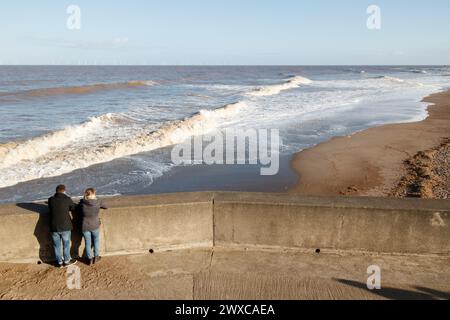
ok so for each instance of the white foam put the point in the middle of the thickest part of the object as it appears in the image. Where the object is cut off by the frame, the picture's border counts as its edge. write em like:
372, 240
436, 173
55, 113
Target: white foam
418, 71
15, 152
151, 83
271, 90
51, 157
105, 138
402, 81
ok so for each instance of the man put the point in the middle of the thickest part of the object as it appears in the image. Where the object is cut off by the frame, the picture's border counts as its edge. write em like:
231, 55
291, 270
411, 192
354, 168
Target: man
60, 206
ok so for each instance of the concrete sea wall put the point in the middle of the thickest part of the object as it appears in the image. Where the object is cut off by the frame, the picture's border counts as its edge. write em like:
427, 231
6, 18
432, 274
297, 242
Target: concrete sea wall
188, 220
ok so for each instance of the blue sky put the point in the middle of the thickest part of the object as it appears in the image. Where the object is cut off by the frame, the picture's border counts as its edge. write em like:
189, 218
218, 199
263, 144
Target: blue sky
212, 32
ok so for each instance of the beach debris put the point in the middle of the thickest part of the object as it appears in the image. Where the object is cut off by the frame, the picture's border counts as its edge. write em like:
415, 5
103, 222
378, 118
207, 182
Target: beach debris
350, 190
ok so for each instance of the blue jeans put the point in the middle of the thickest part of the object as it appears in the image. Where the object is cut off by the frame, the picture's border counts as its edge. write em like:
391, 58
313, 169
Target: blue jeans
90, 236
65, 237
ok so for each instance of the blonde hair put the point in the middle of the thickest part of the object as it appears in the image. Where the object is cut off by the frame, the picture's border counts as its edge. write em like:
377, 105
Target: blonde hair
89, 194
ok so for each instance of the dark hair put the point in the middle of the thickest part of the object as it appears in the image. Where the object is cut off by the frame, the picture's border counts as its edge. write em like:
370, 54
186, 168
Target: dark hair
61, 188
89, 193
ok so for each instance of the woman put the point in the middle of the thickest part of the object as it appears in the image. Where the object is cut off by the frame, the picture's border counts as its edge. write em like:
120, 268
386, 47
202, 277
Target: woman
90, 207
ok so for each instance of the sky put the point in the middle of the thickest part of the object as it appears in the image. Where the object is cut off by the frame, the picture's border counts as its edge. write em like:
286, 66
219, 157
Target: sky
225, 32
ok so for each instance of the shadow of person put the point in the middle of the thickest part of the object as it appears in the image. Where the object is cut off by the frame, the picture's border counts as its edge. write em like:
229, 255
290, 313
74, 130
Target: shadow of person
391, 293
76, 234
43, 234
41, 231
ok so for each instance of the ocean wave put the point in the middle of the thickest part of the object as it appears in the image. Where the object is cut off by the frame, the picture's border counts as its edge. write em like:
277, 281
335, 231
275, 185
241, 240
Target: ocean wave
418, 71
76, 90
401, 81
358, 71
270, 90
12, 153
46, 157
73, 148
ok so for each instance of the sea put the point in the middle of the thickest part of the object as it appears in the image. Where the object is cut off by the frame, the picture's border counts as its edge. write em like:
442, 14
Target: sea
113, 127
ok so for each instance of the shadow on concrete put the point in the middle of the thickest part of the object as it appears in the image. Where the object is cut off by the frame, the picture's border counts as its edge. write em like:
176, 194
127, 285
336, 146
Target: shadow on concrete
39, 208
41, 230
76, 234
43, 235
436, 293
399, 294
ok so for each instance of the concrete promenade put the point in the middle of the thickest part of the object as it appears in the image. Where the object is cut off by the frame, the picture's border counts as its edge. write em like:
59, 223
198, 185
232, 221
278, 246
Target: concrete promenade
216, 245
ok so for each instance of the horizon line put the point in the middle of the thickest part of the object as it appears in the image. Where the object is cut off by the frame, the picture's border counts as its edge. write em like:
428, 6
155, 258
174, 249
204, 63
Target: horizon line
223, 65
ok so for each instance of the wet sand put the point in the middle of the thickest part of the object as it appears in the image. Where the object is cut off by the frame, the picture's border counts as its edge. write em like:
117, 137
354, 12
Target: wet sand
403, 160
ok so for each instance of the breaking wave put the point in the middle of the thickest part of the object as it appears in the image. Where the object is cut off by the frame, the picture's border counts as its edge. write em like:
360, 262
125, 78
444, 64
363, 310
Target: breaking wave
418, 71
401, 81
106, 138
46, 156
14, 152
271, 90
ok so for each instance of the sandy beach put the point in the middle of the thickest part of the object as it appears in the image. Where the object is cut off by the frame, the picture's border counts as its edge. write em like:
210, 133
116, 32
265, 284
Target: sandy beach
400, 160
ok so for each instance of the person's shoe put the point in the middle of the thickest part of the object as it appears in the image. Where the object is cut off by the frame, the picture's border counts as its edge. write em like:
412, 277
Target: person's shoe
90, 262
59, 265
97, 259
71, 262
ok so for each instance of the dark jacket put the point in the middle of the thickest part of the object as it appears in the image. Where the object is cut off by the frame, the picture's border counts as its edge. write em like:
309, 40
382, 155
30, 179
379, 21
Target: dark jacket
90, 213
59, 207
